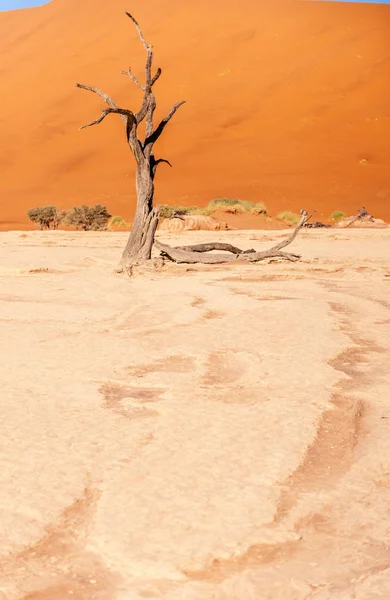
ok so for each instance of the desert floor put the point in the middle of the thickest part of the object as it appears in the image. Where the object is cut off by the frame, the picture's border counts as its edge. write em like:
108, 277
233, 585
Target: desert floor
195, 433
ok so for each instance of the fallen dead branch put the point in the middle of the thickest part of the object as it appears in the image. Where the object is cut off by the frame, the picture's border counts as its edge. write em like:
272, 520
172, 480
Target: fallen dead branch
361, 214
203, 253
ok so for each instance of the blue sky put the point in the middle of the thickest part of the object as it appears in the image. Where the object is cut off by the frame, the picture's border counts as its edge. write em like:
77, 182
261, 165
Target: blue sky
13, 4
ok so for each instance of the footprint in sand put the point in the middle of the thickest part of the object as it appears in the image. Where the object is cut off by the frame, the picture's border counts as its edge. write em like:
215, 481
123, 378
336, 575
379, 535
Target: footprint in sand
239, 369
170, 364
130, 401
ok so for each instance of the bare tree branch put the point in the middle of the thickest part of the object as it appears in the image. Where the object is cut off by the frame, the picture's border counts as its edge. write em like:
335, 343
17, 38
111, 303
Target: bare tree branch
99, 120
189, 257
192, 257
151, 139
209, 246
148, 68
107, 99
360, 215
149, 115
133, 78
139, 31
138, 83
176, 215
148, 49
151, 107
123, 112
141, 114
162, 160
157, 76
200, 253
131, 129
127, 117
154, 163
304, 219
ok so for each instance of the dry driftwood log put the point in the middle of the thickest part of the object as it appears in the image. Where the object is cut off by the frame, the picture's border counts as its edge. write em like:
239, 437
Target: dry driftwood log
202, 253
140, 242
361, 214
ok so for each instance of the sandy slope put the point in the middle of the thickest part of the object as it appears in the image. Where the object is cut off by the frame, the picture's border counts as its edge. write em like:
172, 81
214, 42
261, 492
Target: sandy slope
287, 103
200, 434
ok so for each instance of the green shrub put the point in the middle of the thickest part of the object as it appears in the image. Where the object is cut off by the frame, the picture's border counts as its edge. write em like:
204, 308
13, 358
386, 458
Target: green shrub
337, 215
228, 204
235, 206
89, 218
235, 209
59, 217
260, 209
289, 217
46, 217
117, 222
167, 212
199, 210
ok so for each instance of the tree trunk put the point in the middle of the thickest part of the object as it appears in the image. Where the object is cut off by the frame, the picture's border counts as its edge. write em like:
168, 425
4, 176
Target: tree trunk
140, 243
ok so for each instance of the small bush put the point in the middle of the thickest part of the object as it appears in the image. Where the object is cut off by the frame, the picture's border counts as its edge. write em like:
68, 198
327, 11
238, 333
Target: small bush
167, 212
198, 210
117, 222
228, 204
235, 206
337, 215
89, 218
289, 217
46, 217
260, 209
59, 218
235, 209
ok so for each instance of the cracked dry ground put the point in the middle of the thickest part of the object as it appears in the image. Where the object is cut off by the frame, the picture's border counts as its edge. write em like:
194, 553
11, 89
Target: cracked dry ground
212, 433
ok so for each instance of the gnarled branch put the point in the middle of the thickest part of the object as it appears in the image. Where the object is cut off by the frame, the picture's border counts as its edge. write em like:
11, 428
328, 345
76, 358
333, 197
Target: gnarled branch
149, 59
127, 114
156, 77
209, 246
147, 109
107, 99
139, 31
200, 253
154, 163
151, 139
97, 121
149, 115
191, 257
303, 220
133, 78
162, 160
182, 256
131, 129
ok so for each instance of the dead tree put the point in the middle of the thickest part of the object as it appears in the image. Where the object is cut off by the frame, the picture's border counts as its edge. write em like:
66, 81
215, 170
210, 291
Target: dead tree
361, 214
141, 239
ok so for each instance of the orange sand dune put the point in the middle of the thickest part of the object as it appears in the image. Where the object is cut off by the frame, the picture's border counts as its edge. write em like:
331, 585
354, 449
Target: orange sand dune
288, 103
